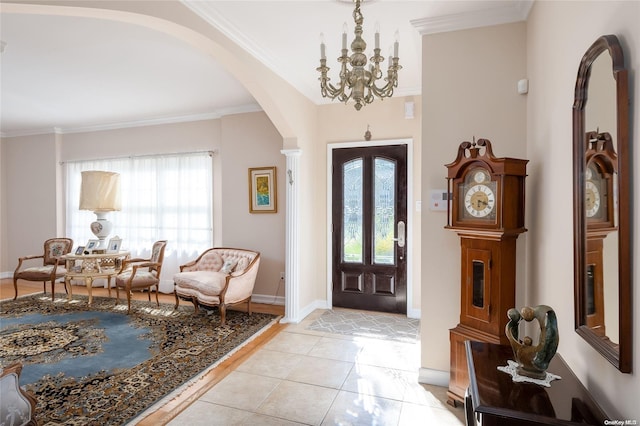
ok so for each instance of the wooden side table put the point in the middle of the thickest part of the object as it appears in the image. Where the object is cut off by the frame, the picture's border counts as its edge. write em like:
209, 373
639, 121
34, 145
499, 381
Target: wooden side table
493, 399
91, 267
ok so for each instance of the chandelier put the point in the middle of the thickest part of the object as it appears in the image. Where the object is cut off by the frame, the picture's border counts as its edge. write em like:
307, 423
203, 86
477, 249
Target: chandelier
358, 83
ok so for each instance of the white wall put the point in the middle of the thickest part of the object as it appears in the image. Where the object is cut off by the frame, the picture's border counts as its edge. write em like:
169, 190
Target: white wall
161, 139
558, 35
29, 198
250, 140
468, 89
32, 163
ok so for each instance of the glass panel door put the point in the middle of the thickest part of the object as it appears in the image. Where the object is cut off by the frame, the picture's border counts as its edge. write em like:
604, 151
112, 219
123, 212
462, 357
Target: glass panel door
385, 218
352, 200
369, 218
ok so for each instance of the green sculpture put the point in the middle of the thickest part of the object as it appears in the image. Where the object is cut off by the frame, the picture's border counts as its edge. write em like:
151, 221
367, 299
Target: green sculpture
533, 361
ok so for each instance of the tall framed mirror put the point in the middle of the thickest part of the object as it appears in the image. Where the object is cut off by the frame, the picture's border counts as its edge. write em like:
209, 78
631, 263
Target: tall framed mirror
602, 204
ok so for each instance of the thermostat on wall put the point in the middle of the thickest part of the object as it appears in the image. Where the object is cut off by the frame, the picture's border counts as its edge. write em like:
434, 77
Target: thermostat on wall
438, 200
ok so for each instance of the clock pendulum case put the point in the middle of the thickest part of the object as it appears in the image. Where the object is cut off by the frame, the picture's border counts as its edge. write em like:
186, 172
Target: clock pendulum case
601, 169
487, 213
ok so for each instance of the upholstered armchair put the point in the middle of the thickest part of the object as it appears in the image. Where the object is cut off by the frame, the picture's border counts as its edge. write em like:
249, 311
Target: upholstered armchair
52, 268
17, 406
139, 274
218, 277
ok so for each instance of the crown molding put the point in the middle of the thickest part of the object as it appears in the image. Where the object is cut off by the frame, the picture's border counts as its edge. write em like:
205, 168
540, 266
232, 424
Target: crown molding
208, 11
32, 132
504, 14
137, 123
213, 16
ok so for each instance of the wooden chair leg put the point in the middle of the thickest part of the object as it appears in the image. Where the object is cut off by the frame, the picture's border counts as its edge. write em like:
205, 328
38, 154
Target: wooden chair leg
15, 287
175, 293
223, 314
53, 290
249, 305
157, 291
68, 288
128, 301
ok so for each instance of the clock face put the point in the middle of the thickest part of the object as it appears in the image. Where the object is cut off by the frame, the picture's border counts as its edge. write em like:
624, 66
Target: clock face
479, 201
595, 191
477, 197
592, 199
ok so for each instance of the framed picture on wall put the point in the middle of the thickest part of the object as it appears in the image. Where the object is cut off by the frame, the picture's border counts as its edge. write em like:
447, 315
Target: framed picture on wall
262, 190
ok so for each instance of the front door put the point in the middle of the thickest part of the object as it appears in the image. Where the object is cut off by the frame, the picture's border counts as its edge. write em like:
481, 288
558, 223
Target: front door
370, 228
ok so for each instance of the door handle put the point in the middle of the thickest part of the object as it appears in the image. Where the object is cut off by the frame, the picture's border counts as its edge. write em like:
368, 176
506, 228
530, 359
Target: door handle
401, 234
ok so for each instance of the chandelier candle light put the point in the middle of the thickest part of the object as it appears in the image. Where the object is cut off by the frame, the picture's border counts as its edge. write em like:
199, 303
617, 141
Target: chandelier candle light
100, 193
359, 83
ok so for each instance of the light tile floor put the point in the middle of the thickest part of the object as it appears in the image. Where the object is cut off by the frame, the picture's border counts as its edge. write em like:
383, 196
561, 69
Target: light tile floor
310, 377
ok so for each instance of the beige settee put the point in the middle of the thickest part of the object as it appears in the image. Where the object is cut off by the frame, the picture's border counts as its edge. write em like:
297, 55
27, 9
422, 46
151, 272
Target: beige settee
218, 277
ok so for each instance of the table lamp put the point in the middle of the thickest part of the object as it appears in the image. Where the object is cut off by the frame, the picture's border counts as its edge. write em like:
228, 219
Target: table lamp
100, 193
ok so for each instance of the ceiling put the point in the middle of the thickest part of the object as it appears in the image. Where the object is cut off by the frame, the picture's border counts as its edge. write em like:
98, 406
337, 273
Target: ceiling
71, 74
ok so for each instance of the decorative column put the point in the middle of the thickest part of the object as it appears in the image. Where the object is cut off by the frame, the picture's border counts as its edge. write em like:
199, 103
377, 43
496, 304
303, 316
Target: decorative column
292, 236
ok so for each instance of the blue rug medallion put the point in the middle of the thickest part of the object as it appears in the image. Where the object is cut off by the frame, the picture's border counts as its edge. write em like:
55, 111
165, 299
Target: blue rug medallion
96, 365
74, 344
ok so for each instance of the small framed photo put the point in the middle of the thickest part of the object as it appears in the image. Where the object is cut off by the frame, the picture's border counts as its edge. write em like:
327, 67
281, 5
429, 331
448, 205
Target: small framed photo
91, 245
114, 245
262, 190
79, 250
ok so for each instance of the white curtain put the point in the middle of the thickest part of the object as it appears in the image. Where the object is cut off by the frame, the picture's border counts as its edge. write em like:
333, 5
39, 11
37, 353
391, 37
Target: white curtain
164, 197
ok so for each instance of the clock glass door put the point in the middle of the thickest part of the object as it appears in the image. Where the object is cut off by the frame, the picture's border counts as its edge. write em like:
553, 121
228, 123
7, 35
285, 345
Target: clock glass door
594, 289
369, 228
477, 290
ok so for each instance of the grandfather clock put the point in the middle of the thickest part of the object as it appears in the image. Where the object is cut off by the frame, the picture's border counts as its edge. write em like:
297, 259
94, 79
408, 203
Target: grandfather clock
602, 163
487, 212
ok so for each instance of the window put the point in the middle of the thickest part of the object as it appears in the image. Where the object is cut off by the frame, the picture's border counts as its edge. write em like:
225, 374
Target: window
163, 197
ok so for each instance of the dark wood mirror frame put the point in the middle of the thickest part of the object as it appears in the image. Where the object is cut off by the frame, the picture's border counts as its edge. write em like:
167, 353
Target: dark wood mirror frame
619, 354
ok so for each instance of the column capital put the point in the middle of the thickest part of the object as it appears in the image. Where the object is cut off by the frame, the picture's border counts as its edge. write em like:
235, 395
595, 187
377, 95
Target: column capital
291, 152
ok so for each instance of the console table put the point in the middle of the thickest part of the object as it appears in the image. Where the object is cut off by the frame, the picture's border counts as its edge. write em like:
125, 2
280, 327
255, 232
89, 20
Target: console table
91, 267
493, 399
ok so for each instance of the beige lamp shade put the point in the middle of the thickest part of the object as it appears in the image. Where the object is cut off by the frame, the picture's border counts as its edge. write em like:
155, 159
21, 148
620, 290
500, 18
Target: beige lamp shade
100, 191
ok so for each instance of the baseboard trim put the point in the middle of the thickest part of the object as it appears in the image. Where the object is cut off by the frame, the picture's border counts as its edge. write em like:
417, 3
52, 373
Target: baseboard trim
304, 312
433, 377
267, 299
318, 304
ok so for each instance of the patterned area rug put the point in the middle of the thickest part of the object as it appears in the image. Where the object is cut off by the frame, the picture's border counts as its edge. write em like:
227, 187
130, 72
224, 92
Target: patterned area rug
377, 325
99, 366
